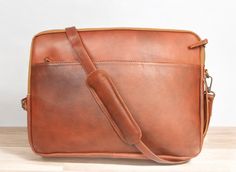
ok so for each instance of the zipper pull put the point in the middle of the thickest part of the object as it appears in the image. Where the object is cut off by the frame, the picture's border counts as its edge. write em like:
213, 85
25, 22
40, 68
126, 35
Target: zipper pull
47, 60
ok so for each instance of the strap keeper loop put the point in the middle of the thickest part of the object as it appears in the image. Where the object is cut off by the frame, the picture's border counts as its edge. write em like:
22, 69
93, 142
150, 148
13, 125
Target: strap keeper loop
198, 44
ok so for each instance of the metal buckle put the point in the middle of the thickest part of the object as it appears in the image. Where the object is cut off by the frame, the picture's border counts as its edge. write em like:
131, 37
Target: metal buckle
208, 86
24, 103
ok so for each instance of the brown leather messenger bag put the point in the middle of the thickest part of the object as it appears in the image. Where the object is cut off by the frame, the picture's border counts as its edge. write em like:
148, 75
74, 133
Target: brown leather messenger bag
118, 93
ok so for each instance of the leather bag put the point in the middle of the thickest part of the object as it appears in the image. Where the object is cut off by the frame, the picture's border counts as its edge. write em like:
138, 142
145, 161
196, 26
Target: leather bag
118, 93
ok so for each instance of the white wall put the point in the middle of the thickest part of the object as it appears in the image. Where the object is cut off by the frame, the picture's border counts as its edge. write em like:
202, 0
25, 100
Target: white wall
21, 19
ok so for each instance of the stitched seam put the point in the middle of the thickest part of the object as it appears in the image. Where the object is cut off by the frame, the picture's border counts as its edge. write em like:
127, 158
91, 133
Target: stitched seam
98, 153
120, 62
130, 59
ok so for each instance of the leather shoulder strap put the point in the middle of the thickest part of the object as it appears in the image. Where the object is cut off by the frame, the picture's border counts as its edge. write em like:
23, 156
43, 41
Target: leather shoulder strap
80, 50
115, 108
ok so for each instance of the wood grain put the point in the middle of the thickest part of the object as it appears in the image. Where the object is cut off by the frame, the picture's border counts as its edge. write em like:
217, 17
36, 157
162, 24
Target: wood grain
218, 155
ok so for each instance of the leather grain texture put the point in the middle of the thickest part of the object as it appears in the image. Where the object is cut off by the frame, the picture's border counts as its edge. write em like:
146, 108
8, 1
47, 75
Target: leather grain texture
160, 79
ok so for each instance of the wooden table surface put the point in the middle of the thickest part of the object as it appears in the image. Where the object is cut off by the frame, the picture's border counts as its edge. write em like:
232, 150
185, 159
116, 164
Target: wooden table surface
218, 155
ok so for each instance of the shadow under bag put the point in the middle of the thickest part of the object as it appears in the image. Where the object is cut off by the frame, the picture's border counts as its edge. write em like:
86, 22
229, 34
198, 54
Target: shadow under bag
118, 93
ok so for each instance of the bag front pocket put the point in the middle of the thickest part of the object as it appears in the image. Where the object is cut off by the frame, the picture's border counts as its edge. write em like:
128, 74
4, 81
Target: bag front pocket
164, 99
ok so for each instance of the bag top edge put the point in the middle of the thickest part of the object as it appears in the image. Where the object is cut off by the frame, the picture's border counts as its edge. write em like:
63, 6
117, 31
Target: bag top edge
121, 29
